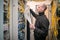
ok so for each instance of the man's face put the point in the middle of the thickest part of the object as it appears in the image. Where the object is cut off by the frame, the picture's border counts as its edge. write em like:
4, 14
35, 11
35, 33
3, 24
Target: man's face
40, 8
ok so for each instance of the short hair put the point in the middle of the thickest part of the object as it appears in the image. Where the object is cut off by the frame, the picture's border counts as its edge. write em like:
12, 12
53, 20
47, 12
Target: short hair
45, 6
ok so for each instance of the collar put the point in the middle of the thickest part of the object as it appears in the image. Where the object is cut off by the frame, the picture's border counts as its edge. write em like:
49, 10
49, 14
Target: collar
41, 13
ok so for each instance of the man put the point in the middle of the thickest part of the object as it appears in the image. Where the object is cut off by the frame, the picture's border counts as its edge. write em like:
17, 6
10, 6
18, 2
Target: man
41, 24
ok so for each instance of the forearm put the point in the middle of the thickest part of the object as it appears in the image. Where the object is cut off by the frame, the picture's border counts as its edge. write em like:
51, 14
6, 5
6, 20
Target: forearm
39, 31
33, 13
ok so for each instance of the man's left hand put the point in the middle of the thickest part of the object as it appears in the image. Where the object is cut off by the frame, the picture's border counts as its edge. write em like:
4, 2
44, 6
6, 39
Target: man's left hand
32, 26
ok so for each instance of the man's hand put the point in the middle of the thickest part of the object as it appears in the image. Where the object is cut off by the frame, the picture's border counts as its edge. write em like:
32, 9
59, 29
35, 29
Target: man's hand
32, 26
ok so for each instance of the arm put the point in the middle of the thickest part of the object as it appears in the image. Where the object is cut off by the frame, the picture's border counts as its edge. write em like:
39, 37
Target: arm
39, 30
33, 13
42, 31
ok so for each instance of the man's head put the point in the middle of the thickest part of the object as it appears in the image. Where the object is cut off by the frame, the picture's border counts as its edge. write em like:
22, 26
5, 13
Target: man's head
41, 8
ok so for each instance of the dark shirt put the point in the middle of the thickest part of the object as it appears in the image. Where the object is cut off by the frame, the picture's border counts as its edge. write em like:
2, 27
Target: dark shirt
41, 24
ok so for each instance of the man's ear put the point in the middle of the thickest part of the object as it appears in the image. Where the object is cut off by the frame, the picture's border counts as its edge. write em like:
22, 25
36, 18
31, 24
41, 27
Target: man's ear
45, 8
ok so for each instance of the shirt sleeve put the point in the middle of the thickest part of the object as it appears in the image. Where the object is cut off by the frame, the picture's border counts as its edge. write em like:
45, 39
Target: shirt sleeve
33, 13
40, 30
